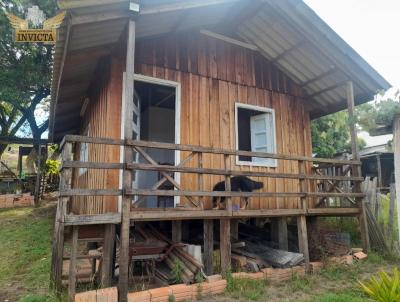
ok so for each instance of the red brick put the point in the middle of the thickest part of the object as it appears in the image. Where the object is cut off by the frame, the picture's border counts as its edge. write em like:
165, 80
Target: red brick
213, 278
89, 296
107, 294
142, 296
360, 255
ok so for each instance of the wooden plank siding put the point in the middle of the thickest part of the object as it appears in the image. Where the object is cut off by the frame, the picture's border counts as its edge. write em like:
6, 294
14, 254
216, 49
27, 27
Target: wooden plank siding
102, 119
214, 75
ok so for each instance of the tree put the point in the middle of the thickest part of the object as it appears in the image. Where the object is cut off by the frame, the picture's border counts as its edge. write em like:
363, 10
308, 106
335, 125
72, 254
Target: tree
378, 114
331, 135
25, 73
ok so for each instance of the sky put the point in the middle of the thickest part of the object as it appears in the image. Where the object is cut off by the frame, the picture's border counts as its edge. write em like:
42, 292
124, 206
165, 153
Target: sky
372, 28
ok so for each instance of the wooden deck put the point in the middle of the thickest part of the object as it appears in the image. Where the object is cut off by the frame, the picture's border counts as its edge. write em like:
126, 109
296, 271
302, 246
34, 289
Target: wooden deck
315, 186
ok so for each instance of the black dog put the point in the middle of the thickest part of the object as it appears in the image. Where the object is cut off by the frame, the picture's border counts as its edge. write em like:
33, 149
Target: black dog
238, 184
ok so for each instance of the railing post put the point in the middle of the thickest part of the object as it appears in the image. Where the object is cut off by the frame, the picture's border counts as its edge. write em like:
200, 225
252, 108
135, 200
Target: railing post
228, 199
225, 226
128, 158
72, 264
301, 220
58, 239
200, 177
356, 169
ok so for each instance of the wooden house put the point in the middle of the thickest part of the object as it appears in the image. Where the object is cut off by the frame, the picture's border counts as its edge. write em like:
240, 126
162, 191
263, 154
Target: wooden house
155, 102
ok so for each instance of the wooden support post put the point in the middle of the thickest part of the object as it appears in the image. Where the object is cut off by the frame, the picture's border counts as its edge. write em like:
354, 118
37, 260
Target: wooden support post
274, 230
379, 168
301, 220
356, 169
208, 238
72, 264
303, 240
225, 245
283, 234
58, 237
235, 228
396, 144
128, 158
279, 232
303, 185
177, 230
108, 255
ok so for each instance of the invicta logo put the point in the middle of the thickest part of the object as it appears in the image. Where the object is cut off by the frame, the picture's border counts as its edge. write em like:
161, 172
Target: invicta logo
47, 34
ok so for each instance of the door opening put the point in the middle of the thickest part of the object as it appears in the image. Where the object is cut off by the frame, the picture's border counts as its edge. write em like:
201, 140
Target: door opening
157, 123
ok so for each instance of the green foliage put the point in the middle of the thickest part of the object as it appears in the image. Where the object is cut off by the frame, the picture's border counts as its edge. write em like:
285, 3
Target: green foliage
298, 283
177, 271
383, 288
247, 289
331, 135
383, 218
378, 113
52, 167
42, 298
171, 298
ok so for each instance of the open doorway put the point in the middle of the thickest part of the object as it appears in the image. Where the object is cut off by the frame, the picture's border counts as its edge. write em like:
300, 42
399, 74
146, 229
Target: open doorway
158, 121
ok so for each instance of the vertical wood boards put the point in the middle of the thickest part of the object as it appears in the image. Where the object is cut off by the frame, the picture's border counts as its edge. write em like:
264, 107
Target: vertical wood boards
214, 75
104, 109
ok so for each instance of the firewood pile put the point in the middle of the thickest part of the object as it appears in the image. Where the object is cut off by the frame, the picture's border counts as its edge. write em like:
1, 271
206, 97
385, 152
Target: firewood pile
171, 262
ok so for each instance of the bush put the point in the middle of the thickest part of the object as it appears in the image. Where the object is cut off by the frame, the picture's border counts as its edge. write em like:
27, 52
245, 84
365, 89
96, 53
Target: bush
384, 287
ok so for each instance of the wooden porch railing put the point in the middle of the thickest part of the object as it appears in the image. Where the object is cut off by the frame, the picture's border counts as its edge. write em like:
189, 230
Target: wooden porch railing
311, 179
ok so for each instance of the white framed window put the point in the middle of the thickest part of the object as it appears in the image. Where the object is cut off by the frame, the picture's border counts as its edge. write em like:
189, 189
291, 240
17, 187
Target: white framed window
255, 131
84, 151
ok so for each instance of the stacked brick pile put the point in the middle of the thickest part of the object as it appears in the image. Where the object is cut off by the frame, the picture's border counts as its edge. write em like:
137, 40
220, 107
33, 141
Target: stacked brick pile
181, 292
214, 284
16, 200
273, 274
101, 295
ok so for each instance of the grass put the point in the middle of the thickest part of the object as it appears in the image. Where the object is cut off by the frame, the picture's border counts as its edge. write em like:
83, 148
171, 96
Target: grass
247, 289
25, 245
335, 283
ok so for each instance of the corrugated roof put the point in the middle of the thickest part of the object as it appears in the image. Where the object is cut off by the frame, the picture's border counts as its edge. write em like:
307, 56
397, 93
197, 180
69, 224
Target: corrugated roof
286, 32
